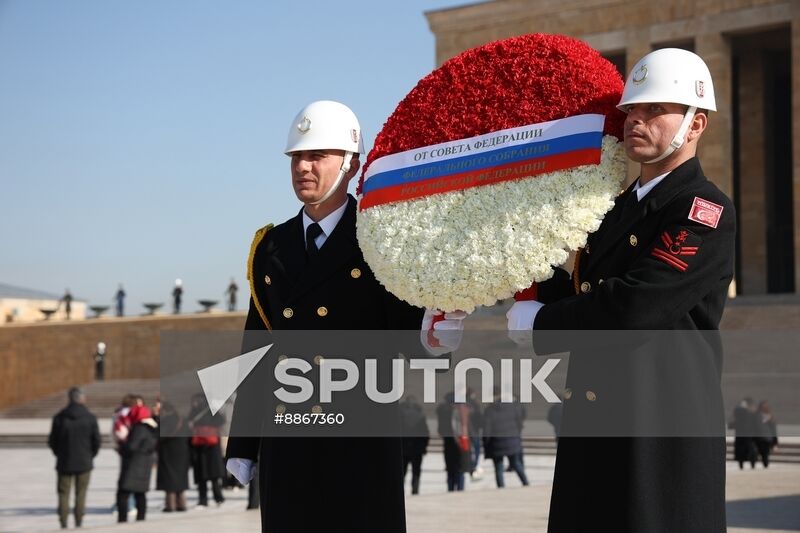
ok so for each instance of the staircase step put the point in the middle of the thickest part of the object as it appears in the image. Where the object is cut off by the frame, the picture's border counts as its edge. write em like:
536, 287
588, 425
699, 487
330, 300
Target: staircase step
102, 398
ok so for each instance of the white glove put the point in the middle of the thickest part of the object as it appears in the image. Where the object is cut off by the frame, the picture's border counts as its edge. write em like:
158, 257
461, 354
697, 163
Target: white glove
520, 321
242, 469
441, 332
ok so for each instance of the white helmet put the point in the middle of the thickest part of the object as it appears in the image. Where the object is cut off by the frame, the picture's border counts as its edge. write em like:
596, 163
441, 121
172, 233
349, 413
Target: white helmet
325, 125
671, 75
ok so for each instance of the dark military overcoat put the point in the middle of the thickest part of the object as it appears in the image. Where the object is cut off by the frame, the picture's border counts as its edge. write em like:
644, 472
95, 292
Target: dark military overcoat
642, 446
322, 484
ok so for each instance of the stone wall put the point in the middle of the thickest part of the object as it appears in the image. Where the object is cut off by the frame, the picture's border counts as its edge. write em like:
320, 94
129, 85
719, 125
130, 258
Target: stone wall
44, 358
37, 360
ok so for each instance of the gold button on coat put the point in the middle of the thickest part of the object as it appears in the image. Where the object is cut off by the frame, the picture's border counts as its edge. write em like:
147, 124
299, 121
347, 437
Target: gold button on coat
322, 311
586, 287
267, 280
280, 409
318, 360
316, 409
288, 313
355, 273
634, 241
567, 394
591, 396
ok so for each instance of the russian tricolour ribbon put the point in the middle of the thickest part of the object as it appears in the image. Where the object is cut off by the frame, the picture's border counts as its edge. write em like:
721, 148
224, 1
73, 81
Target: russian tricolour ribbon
483, 160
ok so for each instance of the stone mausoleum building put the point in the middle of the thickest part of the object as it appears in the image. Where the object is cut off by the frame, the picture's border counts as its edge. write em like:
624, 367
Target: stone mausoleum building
752, 147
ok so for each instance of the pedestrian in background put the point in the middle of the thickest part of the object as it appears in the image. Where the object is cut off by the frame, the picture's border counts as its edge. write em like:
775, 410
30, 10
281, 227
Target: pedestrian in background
454, 429
475, 428
767, 439
745, 426
231, 293
75, 441
206, 451
67, 301
177, 295
502, 427
120, 429
119, 297
174, 456
554, 416
415, 439
100, 361
137, 462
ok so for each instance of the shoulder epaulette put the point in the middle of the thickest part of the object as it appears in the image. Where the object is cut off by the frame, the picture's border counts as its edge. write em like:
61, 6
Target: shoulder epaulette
259, 236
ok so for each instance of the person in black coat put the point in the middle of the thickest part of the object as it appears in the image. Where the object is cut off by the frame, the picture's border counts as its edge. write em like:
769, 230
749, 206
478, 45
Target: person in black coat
502, 426
308, 273
454, 428
75, 440
174, 458
476, 428
554, 417
415, 439
138, 457
642, 445
745, 427
206, 451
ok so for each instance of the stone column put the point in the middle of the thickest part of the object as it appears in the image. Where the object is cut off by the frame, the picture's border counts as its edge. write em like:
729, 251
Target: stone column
716, 146
752, 174
795, 54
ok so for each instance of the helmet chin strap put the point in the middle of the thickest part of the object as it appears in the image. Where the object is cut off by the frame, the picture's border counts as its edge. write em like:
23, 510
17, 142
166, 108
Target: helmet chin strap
345, 168
680, 135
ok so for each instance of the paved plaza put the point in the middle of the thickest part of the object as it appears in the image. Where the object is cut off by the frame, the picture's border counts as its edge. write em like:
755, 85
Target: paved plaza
758, 500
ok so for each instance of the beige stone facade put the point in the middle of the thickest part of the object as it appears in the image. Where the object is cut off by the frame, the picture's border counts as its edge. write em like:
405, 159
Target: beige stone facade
30, 310
752, 147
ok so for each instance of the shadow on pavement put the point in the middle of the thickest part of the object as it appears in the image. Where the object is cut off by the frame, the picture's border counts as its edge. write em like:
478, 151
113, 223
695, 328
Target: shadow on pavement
779, 512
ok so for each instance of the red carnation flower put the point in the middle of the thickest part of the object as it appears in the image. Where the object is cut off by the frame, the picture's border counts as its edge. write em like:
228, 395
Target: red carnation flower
504, 84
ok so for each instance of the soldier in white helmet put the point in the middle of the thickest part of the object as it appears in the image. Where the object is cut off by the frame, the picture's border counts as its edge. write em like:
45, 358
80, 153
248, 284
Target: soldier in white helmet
308, 273
177, 296
642, 443
324, 143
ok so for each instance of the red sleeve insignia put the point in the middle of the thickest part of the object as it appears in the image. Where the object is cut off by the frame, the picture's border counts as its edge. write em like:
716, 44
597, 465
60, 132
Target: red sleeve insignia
705, 212
673, 249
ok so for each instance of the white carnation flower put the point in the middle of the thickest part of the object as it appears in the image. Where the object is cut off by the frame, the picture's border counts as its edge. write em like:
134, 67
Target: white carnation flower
461, 249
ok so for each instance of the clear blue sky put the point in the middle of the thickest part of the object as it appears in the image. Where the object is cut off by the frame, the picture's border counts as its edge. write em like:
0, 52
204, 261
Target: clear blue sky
142, 141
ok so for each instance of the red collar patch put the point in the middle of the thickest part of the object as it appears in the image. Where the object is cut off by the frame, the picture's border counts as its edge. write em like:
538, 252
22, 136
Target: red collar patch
705, 212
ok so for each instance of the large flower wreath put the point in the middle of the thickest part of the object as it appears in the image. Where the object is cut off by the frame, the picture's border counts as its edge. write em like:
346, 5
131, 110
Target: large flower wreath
456, 250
